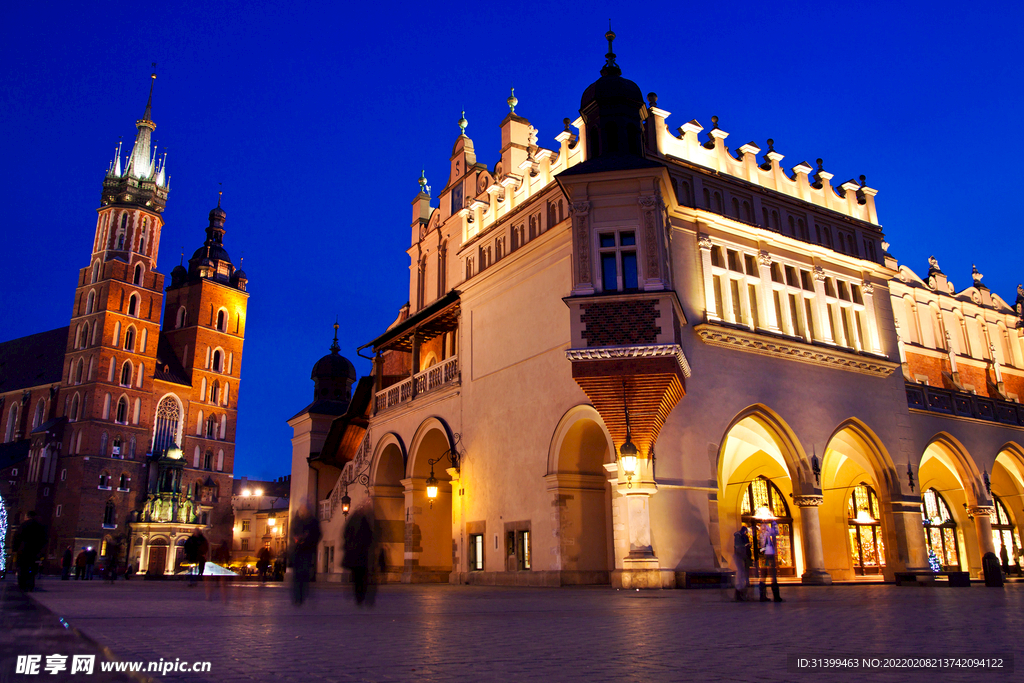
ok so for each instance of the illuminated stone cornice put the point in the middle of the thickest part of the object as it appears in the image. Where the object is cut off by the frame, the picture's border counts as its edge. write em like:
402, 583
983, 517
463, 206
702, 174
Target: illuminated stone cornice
752, 342
643, 351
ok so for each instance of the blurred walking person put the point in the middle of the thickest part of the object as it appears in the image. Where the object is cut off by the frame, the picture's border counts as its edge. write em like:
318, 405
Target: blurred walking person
80, 565
263, 563
111, 560
90, 562
305, 530
358, 549
29, 543
742, 560
769, 544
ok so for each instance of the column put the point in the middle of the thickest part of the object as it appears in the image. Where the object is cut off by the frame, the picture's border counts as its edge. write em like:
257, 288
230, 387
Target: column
983, 523
820, 307
710, 306
640, 566
766, 306
582, 267
911, 549
457, 527
810, 527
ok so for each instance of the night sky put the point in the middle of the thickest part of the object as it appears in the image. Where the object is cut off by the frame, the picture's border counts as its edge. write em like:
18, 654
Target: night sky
317, 119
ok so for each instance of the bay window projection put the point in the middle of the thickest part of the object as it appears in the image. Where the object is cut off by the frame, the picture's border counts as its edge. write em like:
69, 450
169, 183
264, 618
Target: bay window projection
618, 261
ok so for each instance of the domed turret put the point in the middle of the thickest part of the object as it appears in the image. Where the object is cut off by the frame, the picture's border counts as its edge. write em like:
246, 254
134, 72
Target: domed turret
613, 110
211, 261
333, 375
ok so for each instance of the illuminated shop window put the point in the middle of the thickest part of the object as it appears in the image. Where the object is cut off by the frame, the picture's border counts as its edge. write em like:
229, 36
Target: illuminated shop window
867, 547
940, 531
762, 493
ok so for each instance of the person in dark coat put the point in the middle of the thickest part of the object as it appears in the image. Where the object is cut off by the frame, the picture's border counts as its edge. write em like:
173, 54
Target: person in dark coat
742, 560
111, 561
90, 562
80, 565
263, 563
66, 563
191, 549
358, 549
305, 531
29, 543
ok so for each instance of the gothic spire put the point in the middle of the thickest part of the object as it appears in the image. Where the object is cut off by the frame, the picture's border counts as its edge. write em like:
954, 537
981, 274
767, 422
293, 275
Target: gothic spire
141, 163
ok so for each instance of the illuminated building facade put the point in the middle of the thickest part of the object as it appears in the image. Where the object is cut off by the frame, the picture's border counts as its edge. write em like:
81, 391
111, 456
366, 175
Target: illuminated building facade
618, 349
126, 422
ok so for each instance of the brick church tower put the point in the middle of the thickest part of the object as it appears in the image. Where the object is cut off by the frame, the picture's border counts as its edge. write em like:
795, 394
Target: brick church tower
140, 401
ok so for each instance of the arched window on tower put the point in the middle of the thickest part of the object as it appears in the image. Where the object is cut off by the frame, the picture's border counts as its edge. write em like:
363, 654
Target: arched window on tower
763, 501
129, 339
115, 447
109, 515
133, 305
122, 411
215, 392
79, 371
12, 422
182, 318
126, 373
95, 272
867, 546
168, 424
218, 361
73, 415
138, 274
40, 415
142, 237
211, 427
208, 460
90, 303
940, 531
221, 321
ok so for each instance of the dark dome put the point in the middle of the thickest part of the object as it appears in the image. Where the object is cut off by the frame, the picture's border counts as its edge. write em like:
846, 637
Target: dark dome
216, 253
611, 87
239, 275
333, 366
218, 212
179, 271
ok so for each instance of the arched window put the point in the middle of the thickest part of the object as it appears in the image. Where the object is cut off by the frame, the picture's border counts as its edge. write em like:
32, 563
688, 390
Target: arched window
215, 392
122, 484
1004, 532
95, 272
109, 514
126, 373
74, 409
133, 305
83, 337
217, 361
115, 447
12, 422
867, 547
138, 274
122, 410
168, 425
142, 237
211, 427
103, 443
940, 531
79, 370
182, 318
208, 460
762, 500
221, 321
129, 339
90, 303
131, 448
40, 413
104, 480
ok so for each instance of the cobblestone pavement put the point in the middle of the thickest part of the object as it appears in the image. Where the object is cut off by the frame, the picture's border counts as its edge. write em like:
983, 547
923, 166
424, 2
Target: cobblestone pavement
445, 633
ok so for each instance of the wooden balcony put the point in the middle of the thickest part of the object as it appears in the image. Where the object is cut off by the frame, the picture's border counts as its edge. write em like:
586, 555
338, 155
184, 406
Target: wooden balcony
442, 374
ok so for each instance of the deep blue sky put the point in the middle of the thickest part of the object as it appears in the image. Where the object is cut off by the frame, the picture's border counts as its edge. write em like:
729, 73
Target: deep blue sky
317, 118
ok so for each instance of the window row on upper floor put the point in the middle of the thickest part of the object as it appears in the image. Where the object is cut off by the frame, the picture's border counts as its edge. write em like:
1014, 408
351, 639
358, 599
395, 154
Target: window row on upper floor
974, 336
755, 210
762, 292
220, 319
515, 234
212, 426
132, 307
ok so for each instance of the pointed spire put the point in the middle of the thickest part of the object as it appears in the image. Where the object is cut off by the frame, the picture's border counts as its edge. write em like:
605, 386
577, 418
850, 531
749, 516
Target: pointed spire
334, 345
148, 115
610, 68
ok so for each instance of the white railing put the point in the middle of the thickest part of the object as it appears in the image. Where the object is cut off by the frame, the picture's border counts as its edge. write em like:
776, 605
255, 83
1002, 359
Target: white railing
445, 372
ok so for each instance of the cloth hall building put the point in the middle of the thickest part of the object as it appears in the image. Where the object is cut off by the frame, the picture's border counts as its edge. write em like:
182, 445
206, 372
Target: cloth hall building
641, 287
120, 428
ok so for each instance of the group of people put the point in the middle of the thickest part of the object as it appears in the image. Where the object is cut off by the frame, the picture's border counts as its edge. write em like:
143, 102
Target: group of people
765, 563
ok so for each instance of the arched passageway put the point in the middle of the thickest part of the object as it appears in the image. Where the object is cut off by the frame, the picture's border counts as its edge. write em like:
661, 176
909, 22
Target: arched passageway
430, 554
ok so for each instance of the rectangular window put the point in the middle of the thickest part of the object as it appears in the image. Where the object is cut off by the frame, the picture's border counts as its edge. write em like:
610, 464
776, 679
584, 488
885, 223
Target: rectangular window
830, 289
718, 296
748, 263
794, 313
737, 308
791, 277
806, 281
776, 273
752, 292
843, 291
716, 256
809, 318
860, 329
734, 260
857, 299
618, 258
245, 544
476, 552
778, 309
523, 549
846, 326
245, 524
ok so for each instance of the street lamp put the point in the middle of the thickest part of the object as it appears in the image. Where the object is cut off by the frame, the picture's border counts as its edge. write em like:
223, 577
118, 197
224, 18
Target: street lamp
627, 451
453, 455
346, 503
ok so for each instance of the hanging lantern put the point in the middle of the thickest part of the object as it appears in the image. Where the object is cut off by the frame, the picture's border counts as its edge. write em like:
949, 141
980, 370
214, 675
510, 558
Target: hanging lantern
431, 488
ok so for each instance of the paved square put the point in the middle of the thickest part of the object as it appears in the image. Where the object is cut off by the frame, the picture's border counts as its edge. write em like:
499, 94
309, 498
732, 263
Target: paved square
445, 633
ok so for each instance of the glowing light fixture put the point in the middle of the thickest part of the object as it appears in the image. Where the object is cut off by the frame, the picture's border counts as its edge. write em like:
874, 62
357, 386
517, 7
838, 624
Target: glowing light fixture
431, 487
863, 517
627, 451
764, 514
346, 503
259, 492
174, 453
246, 492
271, 521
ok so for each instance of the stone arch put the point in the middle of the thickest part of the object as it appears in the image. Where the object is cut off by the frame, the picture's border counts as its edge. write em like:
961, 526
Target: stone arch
577, 481
949, 451
758, 443
430, 550
1007, 482
947, 467
855, 457
387, 492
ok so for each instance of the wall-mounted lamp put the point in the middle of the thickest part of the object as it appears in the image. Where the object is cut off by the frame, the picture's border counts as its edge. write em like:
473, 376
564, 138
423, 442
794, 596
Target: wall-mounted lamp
910, 476
454, 457
627, 451
816, 468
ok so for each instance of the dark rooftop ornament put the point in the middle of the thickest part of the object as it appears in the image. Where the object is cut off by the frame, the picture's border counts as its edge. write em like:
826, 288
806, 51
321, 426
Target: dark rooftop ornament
710, 144
652, 100
976, 276
767, 165
610, 68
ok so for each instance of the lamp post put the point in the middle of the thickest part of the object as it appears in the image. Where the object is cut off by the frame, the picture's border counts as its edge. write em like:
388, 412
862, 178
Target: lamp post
454, 457
628, 451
